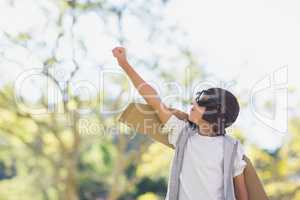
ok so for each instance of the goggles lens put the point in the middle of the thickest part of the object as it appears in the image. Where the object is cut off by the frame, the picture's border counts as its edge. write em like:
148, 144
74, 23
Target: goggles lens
206, 100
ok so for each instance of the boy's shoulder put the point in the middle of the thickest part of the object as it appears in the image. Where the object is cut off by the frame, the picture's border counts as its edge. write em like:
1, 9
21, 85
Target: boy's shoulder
230, 139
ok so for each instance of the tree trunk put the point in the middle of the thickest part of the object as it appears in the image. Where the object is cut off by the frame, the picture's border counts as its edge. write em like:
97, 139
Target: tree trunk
71, 182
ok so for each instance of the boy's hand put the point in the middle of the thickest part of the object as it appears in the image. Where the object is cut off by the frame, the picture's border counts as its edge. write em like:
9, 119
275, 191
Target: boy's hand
120, 54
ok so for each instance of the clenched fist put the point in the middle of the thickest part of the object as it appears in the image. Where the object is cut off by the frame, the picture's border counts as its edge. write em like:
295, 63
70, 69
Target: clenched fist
120, 54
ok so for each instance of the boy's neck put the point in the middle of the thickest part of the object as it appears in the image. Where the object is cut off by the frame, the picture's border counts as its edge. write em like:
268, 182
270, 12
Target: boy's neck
206, 129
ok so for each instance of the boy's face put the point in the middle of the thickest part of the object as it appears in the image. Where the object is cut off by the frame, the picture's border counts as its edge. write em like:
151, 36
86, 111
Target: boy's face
196, 112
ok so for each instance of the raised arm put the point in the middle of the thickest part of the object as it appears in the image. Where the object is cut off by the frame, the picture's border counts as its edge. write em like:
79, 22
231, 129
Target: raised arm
148, 92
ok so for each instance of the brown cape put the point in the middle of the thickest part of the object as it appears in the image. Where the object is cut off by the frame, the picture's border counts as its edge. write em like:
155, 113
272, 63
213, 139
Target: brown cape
143, 119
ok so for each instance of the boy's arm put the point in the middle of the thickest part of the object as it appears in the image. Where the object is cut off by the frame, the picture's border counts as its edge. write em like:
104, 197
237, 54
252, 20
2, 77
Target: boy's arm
179, 114
148, 92
240, 187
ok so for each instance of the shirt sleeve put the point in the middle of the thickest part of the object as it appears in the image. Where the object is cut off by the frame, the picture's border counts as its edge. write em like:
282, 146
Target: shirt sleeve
173, 128
239, 163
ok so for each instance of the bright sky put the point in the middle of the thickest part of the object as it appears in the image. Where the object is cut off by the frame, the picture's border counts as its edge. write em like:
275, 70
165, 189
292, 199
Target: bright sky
244, 40
249, 41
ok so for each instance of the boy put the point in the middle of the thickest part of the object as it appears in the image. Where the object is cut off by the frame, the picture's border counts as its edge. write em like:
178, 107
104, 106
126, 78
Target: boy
200, 173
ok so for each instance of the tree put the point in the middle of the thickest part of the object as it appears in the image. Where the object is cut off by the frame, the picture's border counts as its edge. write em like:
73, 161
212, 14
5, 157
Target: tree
51, 153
